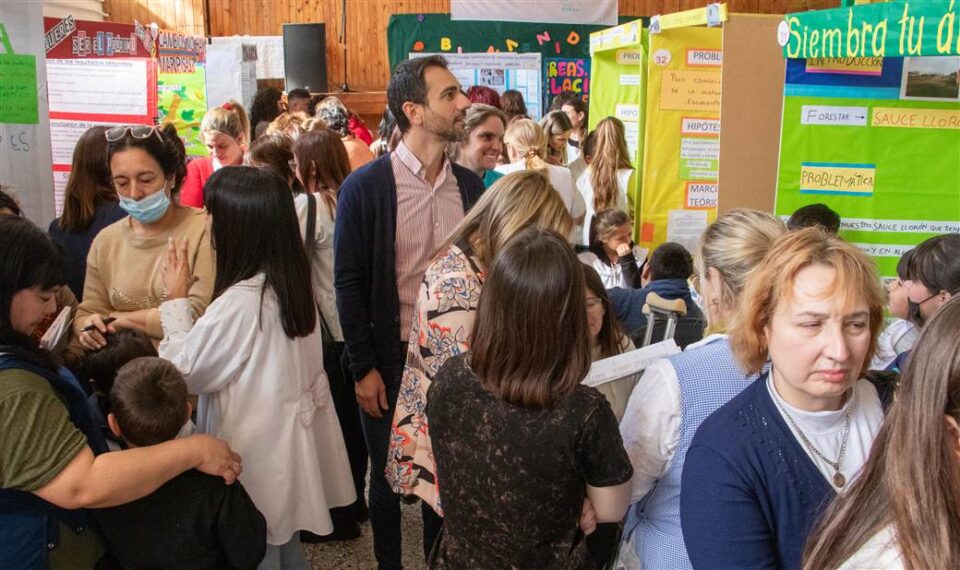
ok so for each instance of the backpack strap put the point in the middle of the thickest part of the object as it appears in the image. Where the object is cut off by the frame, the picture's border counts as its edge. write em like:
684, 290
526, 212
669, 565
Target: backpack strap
309, 243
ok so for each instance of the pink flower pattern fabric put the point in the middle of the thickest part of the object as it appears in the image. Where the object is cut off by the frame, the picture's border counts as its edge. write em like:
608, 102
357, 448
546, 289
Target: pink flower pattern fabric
441, 328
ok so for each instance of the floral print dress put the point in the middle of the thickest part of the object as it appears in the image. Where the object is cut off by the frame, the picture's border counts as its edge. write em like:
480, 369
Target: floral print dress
442, 325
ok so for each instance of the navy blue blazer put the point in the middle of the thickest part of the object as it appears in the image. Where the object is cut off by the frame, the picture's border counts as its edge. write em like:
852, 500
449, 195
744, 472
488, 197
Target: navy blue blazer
364, 267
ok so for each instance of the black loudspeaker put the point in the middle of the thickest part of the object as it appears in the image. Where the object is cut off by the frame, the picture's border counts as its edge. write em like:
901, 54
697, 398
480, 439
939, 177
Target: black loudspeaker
305, 57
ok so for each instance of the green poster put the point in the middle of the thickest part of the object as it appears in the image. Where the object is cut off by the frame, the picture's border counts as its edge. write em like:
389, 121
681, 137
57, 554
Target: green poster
878, 142
897, 28
617, 88
18, 85
182, 100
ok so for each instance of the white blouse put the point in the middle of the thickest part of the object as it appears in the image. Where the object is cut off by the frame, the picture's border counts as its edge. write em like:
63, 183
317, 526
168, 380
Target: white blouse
321, 262
267, 395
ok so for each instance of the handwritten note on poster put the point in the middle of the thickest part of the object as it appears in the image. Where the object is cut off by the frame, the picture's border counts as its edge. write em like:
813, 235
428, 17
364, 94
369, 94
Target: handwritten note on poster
18, 89
837, 178
684, 90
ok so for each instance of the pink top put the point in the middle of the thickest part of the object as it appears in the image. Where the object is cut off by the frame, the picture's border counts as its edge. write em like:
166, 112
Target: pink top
191, 191
425, 217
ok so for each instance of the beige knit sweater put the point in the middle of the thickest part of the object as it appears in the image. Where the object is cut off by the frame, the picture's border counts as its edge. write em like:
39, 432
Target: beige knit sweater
123, 270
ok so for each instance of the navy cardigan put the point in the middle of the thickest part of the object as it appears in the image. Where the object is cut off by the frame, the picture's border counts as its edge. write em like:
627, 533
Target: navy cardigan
365, 277
750, 495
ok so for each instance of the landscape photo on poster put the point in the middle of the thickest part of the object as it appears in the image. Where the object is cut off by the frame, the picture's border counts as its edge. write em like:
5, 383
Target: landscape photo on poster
844, 129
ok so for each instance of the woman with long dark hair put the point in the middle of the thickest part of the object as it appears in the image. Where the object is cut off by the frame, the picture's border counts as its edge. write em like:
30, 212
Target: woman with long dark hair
255, 358
52, 460
89, 205
904, 510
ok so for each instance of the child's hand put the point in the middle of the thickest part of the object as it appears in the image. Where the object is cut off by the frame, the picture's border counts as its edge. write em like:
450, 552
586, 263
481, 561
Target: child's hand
177, 275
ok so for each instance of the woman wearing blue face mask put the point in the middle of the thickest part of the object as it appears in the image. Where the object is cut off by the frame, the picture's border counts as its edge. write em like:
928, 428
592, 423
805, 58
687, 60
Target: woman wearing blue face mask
123, 268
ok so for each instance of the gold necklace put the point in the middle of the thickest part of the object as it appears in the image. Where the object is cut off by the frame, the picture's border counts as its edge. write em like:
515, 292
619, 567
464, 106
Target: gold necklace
839, 479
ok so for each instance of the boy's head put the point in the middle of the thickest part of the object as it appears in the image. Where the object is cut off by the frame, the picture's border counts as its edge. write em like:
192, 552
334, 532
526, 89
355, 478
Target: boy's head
101, 367
815, 215
148, 402
298, 100
670, 261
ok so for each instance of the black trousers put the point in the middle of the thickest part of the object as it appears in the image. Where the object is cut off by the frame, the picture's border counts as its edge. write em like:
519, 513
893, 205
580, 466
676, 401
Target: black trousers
348, 413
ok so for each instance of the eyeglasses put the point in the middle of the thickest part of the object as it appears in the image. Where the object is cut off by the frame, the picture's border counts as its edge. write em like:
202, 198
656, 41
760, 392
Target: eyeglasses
139, 132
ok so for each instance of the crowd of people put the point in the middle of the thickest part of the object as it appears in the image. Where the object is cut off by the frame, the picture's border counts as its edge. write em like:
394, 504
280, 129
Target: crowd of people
257, 333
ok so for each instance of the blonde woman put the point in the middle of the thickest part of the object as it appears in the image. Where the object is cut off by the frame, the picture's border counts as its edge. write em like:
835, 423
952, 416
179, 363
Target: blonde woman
526, 148
289, 124
557, 129
657, 426
224, 130
606, 181
446, 308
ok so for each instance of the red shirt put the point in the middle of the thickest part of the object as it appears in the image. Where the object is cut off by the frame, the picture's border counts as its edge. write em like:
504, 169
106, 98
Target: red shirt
191, 191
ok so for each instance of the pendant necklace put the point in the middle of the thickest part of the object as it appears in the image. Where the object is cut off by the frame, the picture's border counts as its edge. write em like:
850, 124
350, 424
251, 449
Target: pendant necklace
839, 479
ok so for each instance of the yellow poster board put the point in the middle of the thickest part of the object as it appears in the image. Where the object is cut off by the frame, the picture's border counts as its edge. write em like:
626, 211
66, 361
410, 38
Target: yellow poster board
682, 136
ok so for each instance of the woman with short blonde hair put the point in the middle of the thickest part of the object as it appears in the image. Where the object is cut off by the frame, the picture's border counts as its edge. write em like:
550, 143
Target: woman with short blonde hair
761, 468
446, 307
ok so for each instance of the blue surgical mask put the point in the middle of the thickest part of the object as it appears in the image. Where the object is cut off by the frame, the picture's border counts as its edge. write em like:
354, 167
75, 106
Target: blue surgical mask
148, 209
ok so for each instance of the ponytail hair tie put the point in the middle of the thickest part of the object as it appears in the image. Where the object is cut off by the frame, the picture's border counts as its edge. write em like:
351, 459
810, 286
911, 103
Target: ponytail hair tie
228, 106
532, 152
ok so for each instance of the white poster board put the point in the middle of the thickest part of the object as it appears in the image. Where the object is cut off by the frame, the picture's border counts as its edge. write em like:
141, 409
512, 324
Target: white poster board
269, 53
25, 156
231, 73
599, 12
500, 72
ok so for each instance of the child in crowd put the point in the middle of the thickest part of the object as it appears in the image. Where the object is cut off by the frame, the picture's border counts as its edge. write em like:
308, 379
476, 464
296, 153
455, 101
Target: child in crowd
665, 274
612, 253
900, 333
100, 368
194, 520
811, 215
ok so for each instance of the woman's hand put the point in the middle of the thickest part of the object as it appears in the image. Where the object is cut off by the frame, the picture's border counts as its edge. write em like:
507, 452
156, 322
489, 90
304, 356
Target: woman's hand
624, 250
177, 274
216, 458
588, 517
93, 339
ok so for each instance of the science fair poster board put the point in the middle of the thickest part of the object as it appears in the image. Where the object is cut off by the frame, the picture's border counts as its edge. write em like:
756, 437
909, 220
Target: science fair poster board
500, 72
618, 78
98, 73
566, 74
181, 86
873, 135
24, 123
682, 138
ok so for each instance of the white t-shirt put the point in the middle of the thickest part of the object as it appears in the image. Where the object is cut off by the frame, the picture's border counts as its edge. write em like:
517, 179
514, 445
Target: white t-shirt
825, 429
880, 552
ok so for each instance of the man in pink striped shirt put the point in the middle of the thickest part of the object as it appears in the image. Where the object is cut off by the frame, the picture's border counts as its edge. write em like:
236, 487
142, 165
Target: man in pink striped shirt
392, 215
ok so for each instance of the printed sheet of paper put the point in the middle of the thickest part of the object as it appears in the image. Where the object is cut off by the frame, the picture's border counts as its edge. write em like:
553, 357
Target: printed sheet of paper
622, 365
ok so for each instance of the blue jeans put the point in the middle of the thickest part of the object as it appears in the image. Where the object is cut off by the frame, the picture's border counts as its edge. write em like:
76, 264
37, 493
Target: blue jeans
384, 503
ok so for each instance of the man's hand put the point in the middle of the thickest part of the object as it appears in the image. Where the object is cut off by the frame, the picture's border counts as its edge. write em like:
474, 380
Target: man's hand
372, 394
